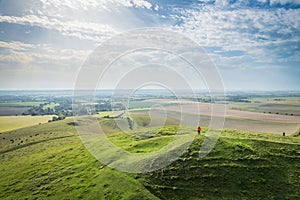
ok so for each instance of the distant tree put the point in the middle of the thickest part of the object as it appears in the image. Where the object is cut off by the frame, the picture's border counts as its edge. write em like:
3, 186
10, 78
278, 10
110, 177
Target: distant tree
61, 117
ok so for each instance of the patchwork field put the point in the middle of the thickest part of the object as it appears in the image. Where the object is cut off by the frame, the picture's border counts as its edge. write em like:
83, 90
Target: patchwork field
206, 109
234, 119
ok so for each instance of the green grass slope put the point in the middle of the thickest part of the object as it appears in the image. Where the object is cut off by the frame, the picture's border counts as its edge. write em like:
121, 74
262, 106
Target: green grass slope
49, 161
242, 165
52, 163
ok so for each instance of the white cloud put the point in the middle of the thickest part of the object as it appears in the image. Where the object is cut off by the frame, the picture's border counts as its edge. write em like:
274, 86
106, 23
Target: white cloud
262, 1
82, 30
222, 3
243, 3
16, 57
249, 30
284, 2
87, 20
15, 45
142, 4
17, 53
88, 4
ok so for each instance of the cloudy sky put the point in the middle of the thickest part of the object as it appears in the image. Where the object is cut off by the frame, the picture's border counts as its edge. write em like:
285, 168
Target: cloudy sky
254, 43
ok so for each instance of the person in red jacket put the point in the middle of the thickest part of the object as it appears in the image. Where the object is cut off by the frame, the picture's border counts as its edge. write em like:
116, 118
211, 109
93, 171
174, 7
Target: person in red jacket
199, 130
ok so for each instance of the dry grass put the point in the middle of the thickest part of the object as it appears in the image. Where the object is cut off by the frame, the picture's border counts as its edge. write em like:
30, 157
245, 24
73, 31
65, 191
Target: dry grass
8, 123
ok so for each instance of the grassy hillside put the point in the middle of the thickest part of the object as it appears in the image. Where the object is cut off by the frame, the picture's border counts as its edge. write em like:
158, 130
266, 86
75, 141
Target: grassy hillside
243, 165
49, 161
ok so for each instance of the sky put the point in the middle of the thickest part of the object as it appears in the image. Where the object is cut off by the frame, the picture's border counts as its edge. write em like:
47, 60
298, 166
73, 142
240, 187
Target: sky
255, 44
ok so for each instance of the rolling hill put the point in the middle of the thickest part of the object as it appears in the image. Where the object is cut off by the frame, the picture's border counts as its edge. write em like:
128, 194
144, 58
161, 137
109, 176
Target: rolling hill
50, 161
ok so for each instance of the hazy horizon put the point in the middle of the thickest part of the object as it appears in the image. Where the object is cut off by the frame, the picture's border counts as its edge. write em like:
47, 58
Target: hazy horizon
150, 89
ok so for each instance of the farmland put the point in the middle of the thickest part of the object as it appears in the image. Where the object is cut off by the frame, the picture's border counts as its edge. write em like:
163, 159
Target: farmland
12, 111
236, 123
20, 104
279, 108
15, 107
234, 119
8, 123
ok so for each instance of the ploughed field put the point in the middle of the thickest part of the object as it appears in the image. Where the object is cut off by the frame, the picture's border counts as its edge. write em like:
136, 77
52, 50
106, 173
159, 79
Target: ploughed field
239, 119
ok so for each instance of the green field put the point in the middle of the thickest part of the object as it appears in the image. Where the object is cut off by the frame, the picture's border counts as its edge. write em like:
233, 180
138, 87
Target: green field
280, 108
20, 104
50, 105
8, 123
145, 104
270, 98
50, 161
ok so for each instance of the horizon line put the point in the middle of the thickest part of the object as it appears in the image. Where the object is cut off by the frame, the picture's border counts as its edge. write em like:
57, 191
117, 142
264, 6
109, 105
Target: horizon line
161, 89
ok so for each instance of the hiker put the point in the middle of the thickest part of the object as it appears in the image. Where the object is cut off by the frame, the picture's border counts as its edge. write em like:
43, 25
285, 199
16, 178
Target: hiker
283, 134
199, 129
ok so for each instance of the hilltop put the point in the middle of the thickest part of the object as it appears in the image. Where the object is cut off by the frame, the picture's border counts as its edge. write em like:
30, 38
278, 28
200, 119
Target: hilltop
50, 161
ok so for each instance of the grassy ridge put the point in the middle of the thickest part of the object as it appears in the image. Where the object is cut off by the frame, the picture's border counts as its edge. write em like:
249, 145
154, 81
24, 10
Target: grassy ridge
241, 166
53, 163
